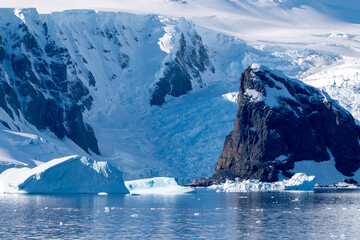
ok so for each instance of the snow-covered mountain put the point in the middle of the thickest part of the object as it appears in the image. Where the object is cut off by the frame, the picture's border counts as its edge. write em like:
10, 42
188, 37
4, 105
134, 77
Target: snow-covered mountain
150, 86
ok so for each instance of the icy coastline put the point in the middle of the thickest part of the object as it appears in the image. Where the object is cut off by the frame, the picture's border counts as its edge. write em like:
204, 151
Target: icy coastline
75, 174
300, 181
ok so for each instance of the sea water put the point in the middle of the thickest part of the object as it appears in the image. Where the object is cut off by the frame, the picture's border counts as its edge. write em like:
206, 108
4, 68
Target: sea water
207, 214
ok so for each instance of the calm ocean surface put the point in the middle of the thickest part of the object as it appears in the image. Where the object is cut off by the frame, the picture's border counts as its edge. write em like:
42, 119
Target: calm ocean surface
203, 215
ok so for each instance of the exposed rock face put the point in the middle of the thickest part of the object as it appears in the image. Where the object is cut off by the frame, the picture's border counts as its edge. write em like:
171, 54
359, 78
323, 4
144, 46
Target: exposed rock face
38, 82
281, 121
184, 70
351, 181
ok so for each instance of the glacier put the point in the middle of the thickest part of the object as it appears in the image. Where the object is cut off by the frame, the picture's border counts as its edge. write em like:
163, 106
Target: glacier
119, 50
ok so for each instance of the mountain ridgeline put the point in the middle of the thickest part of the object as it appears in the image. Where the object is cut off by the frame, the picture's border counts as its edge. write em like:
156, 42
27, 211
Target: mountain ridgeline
49, 75
39, 84
281, 121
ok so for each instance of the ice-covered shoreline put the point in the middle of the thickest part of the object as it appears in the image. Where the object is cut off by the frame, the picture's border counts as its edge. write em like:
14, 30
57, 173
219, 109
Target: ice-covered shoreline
76, 174
300, 182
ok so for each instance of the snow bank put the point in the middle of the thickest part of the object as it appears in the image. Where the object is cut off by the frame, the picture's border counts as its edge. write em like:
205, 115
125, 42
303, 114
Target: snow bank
158, 185
325, 172
300, 181
72, 174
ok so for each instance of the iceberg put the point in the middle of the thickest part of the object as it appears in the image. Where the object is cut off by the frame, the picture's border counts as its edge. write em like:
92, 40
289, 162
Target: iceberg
157, 185
72, 174
300, 181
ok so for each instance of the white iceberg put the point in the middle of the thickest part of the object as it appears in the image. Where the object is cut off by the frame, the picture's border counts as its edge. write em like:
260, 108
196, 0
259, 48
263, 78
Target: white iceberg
157, 185
300, 181
72, 174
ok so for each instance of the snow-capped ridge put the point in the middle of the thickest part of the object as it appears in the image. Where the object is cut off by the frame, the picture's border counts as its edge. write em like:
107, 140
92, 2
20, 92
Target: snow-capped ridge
273, 90
277, 89
257, 67
185, 65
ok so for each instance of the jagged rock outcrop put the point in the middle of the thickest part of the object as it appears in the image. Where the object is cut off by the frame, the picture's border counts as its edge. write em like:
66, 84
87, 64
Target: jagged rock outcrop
281, 121
183, 70
38, 82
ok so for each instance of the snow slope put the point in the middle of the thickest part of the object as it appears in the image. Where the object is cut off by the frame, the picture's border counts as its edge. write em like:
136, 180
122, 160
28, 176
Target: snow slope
72, 174
32, 147
125, 45
325, 172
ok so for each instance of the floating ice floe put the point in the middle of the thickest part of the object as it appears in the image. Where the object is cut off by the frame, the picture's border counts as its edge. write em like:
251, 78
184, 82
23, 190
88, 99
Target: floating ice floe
72, 174
157, 185
300, 181
103, 194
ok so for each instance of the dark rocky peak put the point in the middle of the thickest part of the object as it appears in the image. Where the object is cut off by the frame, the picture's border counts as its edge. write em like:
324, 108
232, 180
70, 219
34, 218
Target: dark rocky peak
182, 70
274, 90
281, 121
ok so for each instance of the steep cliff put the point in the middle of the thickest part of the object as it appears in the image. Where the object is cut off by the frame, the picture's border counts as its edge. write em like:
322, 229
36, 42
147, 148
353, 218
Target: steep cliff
281, 121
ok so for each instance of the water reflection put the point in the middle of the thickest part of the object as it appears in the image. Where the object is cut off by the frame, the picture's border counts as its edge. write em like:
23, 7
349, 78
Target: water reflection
206, 215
